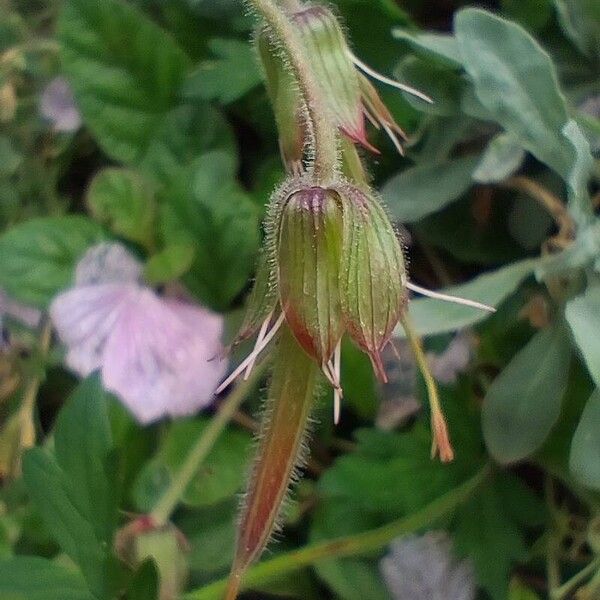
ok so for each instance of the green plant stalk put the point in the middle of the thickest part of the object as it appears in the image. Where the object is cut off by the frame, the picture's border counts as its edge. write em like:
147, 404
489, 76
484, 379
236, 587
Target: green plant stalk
165, 506
281, 448
439, 431
566, 588
324, 135
353, 545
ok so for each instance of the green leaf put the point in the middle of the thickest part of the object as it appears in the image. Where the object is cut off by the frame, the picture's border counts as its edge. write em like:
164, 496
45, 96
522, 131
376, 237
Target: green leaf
170, 263
517, 83
580, 20
207, 208
221, 475
210, 532
487, 532
391, 474
350, 578
502, 157
583, 316
579, 174
184, 134
432, 316
10, 159
38, 257
32, 578
125, 70
443, 85
531, 14
124, 202
82, 445
229, 76
524, 401
74, 490
584, 460
428, 187
433, 45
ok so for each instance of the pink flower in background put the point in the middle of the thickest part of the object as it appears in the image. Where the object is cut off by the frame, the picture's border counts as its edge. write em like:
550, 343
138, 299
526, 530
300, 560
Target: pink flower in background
454, 360
426, 568
57, 104
156, 354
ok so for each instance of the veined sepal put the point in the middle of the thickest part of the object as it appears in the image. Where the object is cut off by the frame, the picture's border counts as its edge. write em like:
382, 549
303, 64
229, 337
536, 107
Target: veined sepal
281, 451
286, 101
309, 249
372, 275
332, 66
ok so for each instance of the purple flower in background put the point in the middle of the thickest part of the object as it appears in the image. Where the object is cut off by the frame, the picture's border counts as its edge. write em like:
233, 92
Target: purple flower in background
57, 104
425, 568
156, 354
454, 360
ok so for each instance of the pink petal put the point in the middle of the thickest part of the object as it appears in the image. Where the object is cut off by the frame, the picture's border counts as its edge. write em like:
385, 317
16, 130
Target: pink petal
84, 318
57, 104
158, 357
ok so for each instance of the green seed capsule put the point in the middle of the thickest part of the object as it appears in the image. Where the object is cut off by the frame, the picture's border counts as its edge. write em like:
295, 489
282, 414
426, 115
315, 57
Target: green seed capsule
372, 275
308, 262
333, 68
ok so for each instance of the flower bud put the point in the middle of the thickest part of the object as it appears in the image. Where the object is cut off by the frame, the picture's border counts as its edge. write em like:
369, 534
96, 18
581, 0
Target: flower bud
309, 245
286, 101
373, 278
333, 68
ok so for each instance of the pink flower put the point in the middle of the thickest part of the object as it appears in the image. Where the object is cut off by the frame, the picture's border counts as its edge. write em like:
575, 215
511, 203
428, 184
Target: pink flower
454, 360
426, 568
57, 104
156, 354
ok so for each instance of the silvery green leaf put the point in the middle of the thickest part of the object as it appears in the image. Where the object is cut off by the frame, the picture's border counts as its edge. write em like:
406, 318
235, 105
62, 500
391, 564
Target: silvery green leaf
441, 46
433, 316
503, 156
524, 401
426, 188
584, 461
583, 316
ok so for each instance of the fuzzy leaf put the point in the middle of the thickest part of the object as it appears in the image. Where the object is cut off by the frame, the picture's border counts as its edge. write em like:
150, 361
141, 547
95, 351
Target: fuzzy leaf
583, 316
125, 70
584, 460
426, 188
124, 202
38, 257
524, 401
32, 578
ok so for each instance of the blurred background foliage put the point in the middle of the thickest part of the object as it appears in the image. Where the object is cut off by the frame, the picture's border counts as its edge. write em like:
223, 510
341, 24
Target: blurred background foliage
158, 132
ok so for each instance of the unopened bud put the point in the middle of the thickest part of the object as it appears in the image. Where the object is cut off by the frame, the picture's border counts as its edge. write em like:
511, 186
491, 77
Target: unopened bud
308, 258
373, 278
286, 102
332, 65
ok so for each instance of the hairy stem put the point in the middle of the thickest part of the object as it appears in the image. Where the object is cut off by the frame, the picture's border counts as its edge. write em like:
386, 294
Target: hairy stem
168, 502
323, 132
353, 545
289, 402
440, 438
